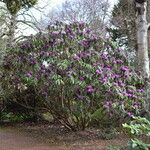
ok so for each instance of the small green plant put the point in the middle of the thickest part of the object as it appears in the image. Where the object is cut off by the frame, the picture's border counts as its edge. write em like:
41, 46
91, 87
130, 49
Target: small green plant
139, 126
109, 133
12, 117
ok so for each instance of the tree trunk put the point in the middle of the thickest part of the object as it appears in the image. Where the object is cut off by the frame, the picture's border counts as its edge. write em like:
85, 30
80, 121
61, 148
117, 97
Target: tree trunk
148, 19
142, 39
148, 88
11, 34
143, 42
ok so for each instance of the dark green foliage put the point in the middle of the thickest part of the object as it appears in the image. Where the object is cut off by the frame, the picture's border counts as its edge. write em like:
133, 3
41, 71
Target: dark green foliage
140, 1
108, 133
123, 18
6, 117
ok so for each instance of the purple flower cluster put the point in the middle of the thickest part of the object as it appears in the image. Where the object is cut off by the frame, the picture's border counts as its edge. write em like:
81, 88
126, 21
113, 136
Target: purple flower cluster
85, 43
118, 61
29, 74
105, 56
90, 89
108, 104
82, 55
98, 71
124, 68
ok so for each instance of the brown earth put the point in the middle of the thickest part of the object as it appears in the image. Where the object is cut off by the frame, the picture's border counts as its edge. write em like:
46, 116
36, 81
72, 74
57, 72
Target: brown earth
13, 140
54, 137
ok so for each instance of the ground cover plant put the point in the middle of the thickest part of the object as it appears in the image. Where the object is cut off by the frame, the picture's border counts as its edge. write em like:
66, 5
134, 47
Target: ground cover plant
138, 126
75, 75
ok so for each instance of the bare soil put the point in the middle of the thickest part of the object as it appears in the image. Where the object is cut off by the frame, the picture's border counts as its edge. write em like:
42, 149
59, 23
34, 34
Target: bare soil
54, 137
14, 140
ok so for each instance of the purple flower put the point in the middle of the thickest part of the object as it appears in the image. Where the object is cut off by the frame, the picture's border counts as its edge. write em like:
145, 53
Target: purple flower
129, 95
109, 93
124, 68
115, 75
120, 83
84, 54
104, 56
85, 43
130, 114
104, 80
130, 91
87, 30
76, 57
81, 25
98, 71
42, 53
114, 62
90, 89
119, 61
29, 74
54, 34
125, 93
82, 78
136, 105
80, 97
32, 61
94, 37
140, 90
116, 84
134, 96
108, 104
68, 30
107, 67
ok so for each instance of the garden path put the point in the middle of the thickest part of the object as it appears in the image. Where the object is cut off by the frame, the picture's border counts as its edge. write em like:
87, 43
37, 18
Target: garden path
39, 138
12, 140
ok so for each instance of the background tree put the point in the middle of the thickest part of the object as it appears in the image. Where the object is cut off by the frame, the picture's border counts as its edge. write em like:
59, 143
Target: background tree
93, 12
13, 7
123, 19
148, 19
4, 29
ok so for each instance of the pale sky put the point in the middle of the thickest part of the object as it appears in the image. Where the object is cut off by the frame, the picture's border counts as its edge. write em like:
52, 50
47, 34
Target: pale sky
47, 5
50, 4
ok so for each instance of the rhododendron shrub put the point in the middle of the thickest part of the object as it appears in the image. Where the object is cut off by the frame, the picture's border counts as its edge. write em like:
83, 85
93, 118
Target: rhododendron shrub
73, 73
123, 89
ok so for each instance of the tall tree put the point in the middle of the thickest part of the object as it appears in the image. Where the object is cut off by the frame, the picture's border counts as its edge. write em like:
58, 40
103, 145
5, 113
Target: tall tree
3, 30
13, 7
129, 17
148, 19
142, 36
